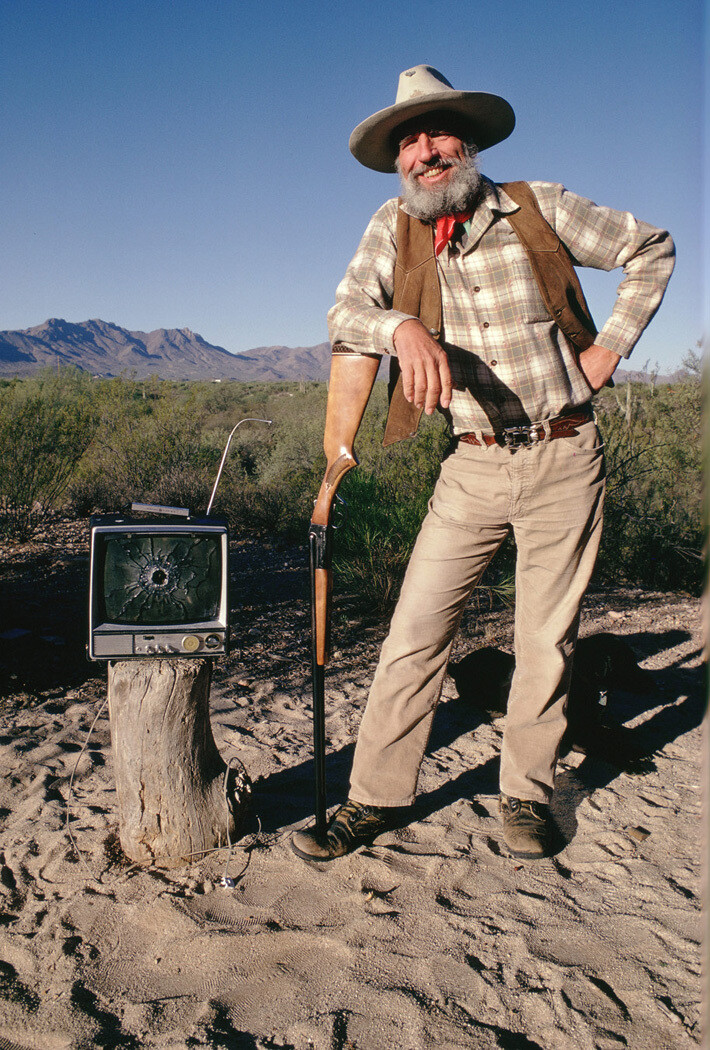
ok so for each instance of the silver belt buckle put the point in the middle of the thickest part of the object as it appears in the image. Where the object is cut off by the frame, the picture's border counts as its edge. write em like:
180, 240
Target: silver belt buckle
520, 437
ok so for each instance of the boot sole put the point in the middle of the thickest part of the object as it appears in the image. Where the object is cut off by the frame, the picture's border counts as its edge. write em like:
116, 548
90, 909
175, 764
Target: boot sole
526, 855
311, 857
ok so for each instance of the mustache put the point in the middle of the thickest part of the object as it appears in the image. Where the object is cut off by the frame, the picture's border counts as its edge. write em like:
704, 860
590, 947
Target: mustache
441, 163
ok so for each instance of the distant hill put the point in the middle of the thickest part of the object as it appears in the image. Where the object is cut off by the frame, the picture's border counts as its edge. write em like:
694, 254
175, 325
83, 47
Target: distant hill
106, 349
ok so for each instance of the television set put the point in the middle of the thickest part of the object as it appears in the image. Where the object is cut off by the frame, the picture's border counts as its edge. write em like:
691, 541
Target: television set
158, 587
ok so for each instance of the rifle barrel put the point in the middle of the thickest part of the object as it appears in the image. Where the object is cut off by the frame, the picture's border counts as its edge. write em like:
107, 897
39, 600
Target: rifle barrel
319, 748
317, 552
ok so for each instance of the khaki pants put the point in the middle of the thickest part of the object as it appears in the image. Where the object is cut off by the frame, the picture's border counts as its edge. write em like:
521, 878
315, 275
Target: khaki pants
551, 496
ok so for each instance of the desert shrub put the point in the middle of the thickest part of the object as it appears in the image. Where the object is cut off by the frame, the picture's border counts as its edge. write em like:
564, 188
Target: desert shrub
653, 531
46, 424
162, 442
151, 450
264, 511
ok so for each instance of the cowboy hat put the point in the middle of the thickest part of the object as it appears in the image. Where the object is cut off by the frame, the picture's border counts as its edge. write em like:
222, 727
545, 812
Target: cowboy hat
422, 89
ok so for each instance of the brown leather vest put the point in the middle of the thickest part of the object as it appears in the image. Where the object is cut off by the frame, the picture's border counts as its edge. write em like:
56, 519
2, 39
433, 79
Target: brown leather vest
417, 291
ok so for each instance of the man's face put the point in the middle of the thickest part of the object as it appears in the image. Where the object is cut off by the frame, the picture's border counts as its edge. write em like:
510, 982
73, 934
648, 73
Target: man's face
430, 157
438, 169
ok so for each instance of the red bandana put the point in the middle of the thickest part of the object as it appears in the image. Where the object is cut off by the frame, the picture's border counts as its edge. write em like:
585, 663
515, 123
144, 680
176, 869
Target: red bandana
445, 227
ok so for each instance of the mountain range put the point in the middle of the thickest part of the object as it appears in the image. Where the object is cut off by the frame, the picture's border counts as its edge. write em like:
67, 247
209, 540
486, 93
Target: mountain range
105, 349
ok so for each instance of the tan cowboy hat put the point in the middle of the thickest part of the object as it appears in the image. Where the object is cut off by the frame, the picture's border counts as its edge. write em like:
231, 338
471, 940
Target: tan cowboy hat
422, 89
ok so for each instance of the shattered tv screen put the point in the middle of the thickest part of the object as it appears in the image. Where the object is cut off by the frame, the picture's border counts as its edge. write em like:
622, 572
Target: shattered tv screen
153, 579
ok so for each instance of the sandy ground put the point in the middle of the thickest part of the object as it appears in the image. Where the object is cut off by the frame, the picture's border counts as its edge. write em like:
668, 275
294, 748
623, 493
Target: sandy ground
431, 937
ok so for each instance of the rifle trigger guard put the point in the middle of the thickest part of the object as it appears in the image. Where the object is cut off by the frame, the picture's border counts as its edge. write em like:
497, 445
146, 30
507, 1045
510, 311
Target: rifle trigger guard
343, 508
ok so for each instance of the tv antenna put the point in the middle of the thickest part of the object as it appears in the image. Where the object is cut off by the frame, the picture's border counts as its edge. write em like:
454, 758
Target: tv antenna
247, 419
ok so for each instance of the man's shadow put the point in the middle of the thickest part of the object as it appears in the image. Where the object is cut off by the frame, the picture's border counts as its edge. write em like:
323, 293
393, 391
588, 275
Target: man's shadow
286, 797
677, 691
679, 704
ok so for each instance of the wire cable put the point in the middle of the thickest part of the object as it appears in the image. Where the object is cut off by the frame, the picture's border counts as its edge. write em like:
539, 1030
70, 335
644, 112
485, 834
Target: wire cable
71, 792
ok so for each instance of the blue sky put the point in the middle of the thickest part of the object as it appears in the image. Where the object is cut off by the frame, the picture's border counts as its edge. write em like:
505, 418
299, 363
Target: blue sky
184, 163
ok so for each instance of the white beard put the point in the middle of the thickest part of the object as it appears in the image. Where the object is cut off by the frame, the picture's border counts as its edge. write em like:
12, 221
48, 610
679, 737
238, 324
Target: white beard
462, 192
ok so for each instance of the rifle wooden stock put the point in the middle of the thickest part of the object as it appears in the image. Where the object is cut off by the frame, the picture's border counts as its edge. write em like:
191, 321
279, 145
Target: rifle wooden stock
351, 381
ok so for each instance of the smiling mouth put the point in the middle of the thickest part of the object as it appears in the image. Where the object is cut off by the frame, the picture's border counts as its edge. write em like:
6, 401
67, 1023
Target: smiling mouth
433, 171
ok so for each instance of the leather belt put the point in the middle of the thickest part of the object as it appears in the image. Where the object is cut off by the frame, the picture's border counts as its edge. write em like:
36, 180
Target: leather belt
564, 425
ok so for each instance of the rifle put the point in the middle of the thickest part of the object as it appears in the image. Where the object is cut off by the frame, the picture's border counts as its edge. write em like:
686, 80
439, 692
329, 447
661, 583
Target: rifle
351, 380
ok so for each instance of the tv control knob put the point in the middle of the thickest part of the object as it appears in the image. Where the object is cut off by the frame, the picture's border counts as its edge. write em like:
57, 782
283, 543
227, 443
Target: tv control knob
212, 641
191, 643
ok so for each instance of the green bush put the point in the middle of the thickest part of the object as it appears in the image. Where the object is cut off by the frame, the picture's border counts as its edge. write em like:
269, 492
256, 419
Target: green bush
150, 449
653, 531
99, 444
46, 424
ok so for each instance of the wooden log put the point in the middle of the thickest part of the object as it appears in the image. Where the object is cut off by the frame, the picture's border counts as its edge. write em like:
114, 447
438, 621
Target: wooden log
176, 797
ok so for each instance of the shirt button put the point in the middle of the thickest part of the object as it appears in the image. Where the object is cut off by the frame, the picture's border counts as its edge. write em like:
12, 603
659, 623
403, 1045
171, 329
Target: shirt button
494, 363
486, 324
477, 288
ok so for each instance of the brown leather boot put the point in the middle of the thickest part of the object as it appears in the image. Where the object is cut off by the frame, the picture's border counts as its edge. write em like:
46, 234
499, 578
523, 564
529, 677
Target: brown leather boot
355, 824
526, 828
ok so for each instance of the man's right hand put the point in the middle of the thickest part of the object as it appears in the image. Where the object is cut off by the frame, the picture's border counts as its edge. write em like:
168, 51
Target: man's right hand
426, 376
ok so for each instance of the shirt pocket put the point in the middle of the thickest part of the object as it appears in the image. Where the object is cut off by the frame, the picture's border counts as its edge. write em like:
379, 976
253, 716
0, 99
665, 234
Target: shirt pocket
524, 298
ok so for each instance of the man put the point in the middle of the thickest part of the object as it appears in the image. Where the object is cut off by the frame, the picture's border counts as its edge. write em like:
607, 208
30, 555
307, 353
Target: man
527, 456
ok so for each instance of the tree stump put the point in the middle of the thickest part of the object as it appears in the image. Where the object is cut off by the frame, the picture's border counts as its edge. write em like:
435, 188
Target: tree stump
176, 796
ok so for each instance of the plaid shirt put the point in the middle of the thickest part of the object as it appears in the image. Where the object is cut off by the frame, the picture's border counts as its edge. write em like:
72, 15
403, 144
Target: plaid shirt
509, 361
